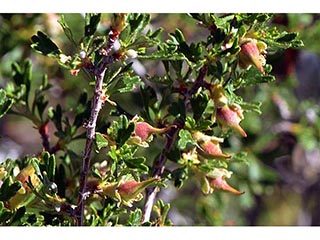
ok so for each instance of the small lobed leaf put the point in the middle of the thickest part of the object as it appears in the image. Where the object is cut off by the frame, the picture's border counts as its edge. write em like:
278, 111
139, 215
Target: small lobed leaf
8, 190
185, 138
137, 163
92, 21
44, 45
5, 103
101, 141
66, 29
134, 218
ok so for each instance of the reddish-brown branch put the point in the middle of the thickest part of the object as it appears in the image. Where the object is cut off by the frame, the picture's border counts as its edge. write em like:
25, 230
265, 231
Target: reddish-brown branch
44, 133
96, 106
159, 166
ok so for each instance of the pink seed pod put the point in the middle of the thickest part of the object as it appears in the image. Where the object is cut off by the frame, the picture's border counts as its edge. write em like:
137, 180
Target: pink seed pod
230, 117
251, 53
209, 146
221, 184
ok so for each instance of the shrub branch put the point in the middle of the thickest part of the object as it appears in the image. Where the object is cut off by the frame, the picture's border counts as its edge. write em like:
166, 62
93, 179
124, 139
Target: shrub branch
97, 103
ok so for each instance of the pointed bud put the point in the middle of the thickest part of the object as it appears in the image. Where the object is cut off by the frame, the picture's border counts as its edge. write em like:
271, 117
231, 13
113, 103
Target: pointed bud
209, 146
230, 117
217, 180
220, 183
143, 133
251, 54
131, 189
130, 53
212, 149
128, 191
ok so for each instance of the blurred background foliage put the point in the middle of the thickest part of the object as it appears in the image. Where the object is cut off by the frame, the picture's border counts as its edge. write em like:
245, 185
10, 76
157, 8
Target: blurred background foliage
281, 180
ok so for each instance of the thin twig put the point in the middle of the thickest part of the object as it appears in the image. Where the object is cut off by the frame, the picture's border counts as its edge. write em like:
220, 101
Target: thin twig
159, 167
91, 127
151, 193
44, 133
96, 106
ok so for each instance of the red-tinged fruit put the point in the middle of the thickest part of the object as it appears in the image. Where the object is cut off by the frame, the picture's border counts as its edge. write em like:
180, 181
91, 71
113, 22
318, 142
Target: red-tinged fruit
213, 149
221, 184
143, 133
230, 117
251, 53
209, 146
126, 192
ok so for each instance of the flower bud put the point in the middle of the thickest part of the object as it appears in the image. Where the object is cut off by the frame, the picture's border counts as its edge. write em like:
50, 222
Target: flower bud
131, 53
220, 183
143, 133
217, 180
230, 117
251, 54
209, 146
126, 192
24, 175
64, 58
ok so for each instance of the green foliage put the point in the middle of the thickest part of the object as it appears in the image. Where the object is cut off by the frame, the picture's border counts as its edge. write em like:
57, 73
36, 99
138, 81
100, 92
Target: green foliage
44, 45
134, 119
5, 103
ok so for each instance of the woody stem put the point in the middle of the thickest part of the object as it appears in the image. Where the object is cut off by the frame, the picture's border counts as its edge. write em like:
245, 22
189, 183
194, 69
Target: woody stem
151, 193
97, 102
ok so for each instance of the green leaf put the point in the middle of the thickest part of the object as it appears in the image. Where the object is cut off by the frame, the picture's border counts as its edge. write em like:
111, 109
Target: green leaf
16, 219
199, 104
138, 23
185, 138
287, 37
92, 21
163, 55
51, 168
124, 134
241, 157
137, 163
134, 218
8, 190
101, 141
44, 45
5, 103
67, 30
156, 33
41, 104
35, 165
129, 83
179, 175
